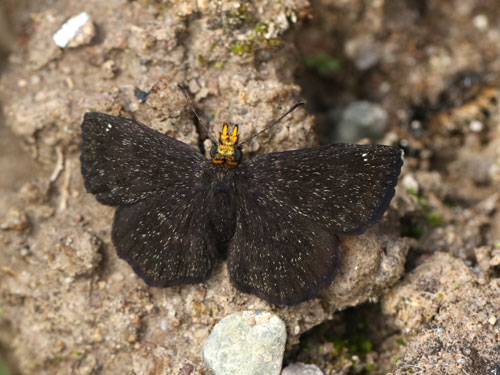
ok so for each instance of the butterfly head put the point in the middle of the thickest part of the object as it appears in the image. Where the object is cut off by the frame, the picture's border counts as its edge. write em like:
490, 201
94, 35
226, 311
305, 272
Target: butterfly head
227, 151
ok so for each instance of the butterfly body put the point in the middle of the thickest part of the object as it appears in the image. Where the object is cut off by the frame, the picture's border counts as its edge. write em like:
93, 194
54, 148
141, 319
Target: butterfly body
222, 204
276, 217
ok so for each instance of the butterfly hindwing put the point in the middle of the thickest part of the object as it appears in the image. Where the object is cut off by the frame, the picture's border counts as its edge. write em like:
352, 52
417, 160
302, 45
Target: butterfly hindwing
124, 161
279, 255
167, 240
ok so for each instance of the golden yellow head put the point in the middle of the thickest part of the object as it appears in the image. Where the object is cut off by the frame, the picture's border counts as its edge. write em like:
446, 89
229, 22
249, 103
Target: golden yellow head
227, 151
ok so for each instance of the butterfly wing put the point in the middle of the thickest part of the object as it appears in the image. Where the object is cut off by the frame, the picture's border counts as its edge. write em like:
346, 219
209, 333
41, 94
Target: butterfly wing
166, 240
291, 206
278, 255
119, 153
161, 226
343, 187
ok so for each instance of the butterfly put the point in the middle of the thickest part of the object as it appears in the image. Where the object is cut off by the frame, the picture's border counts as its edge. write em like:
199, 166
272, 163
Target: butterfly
275, 217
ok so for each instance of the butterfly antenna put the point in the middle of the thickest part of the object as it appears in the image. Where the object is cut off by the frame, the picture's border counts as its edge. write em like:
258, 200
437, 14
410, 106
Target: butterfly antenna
294, 107
200, 121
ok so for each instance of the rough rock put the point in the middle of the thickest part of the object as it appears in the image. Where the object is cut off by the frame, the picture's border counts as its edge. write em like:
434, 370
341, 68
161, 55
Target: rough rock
68, 300
449, 319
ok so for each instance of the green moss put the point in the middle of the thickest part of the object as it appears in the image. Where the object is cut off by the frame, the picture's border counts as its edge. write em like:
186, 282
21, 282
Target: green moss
237, 49
243, 48
397, 358
427, 218
412, 191
423, 203
261, 29
322, 62
415, 231
400, 341
434, 219
365, 345
272, 42
3, 368
243, 15
353, 345
202, 60
370, 367
440, 295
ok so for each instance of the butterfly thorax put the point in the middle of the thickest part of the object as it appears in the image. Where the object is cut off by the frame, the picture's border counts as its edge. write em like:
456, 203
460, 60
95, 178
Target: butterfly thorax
227, 152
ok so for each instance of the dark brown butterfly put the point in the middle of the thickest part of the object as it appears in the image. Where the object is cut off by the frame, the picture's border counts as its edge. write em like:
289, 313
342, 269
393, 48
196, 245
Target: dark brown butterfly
275, 217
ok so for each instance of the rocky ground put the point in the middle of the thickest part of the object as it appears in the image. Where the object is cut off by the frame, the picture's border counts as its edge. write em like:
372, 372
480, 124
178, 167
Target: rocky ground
418, 293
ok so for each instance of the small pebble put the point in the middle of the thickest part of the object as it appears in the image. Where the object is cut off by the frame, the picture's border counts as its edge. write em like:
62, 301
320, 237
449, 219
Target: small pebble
163, 325
364, 51
300, 368
409, 183
77, 31
476, 126
110, 68
15, 220
362, 120
480, 22
246, 343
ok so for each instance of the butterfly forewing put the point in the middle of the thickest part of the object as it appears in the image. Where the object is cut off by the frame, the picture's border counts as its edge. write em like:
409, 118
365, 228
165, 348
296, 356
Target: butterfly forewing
124, 161
343, 187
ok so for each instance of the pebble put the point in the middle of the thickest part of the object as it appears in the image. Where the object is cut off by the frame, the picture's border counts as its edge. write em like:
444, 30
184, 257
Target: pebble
77, 31
362, 119
364, 51
110, 69
410, 183
300, 368
246, 343
15, 220
476, 126
480, 22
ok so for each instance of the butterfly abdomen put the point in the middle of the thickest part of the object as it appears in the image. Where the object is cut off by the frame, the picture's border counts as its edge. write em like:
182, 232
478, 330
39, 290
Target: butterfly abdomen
222, 205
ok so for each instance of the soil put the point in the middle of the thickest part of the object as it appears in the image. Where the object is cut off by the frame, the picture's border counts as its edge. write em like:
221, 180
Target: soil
68, 304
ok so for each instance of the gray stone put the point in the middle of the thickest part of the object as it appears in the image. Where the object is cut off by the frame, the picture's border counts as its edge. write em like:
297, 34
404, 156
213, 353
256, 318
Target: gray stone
363, 51
362, 120
300, 368
246, 343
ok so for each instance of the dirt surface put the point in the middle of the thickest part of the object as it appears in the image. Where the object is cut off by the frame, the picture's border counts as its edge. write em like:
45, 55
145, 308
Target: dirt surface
69, 305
